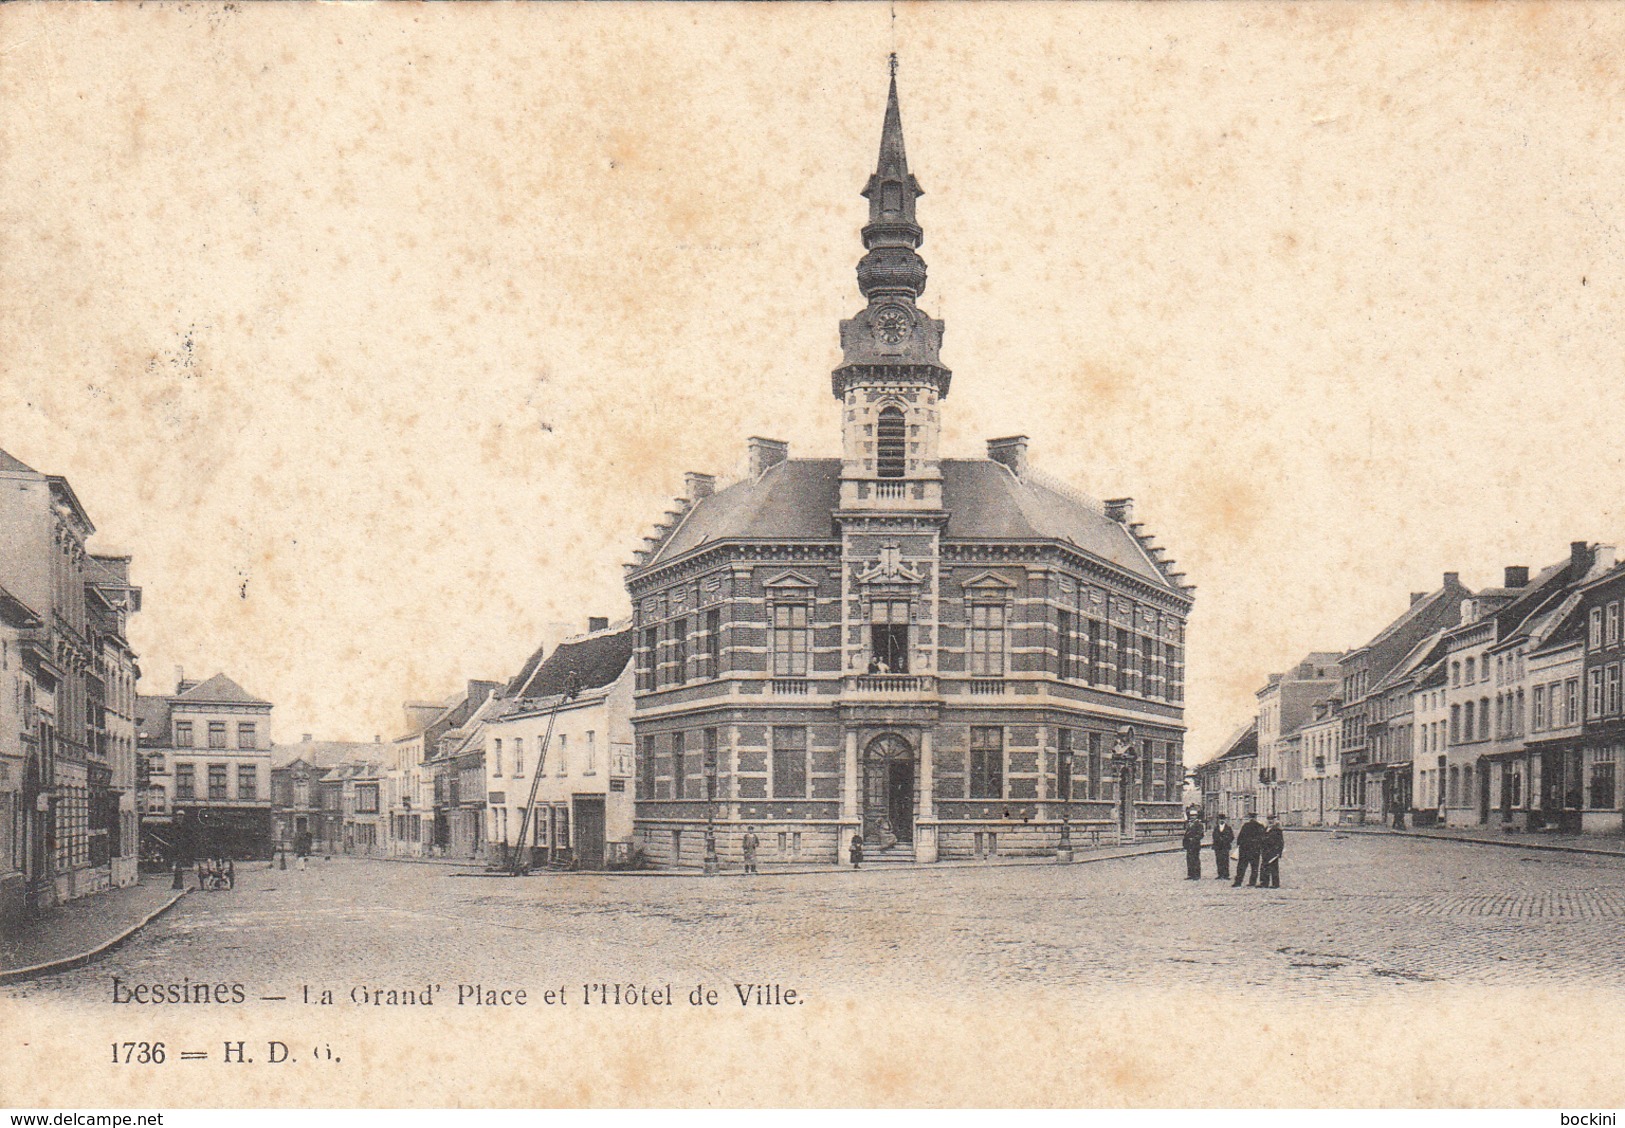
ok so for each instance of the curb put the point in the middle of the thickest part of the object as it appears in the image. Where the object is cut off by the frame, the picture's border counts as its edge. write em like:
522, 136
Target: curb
1426, 836
882, 867
67, 963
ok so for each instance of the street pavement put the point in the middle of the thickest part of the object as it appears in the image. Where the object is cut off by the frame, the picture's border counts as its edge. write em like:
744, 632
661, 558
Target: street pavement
1358, 916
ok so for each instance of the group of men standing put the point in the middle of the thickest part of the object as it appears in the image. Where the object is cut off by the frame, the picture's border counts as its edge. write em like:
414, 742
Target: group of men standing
1258, 850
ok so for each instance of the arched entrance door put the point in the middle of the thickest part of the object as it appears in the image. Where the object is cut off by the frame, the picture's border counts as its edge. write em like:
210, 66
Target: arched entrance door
888, 791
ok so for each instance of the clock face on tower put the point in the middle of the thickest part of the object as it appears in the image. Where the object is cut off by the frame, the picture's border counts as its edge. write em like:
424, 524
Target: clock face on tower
892, 325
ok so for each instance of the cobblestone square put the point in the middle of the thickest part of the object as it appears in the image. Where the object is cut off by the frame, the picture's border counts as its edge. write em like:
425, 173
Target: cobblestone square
1358, 916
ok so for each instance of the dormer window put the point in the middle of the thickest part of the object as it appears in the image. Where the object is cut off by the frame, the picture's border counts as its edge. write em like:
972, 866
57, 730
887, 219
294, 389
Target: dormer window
890, 444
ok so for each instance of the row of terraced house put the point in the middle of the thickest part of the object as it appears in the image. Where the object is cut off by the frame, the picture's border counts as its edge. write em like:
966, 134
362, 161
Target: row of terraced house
1500, 708
68, 819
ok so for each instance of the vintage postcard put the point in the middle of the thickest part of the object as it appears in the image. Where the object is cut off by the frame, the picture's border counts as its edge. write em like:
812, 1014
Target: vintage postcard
873, 555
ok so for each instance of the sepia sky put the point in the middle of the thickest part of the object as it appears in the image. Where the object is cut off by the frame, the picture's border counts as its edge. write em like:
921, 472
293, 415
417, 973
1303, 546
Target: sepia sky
381, 335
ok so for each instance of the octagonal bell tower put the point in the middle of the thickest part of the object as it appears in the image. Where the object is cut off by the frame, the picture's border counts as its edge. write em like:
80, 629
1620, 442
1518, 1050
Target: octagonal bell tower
891, 380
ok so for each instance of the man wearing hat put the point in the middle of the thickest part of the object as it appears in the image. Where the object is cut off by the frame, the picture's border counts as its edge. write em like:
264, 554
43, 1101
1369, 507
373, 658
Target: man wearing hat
1249, 843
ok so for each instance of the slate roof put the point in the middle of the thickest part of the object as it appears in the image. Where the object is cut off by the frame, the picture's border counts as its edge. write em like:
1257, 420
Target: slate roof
151, 719
320, 753
15, 612
795, 500
596, 659
12, 465
219, 690
1242, 743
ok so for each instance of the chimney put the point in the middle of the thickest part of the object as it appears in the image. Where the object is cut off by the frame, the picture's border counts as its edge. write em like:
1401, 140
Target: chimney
1580, 554
1602, 556
1010, 451
1452, 579
697, 485
305, 739
1417, 597
377, 739
766, 454
1120, 509
596, 623
1517, 576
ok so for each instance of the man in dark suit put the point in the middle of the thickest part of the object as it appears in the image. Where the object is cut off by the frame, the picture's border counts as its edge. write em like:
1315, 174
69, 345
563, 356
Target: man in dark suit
1248, 844
1193, 849
1274, 846
1223, 839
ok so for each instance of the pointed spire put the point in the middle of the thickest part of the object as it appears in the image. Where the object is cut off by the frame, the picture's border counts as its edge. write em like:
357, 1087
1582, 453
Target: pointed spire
893, 160
892, 333
892, 190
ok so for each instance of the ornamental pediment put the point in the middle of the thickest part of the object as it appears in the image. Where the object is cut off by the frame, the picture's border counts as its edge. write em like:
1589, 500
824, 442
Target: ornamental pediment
791, 580
989, 582
890, 569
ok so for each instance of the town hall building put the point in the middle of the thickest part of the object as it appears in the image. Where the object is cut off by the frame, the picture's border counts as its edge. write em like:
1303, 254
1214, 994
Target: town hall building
946, 658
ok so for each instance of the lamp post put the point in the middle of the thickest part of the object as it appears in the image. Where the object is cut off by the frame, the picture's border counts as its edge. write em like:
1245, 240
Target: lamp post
1063, 784
1320, 774
712, 865
1123, 759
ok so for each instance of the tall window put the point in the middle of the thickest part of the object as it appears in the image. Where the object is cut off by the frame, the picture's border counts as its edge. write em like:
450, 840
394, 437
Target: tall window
592, 753
709, 767
1602, 778
1611, 705
646, 768
891, 444
987, 639
245, 734
518, 756
789, 762
183, 734
1540, 708
1571, 693
678, 766
986, 763
217, 734
1610, 634
248, 782
1123, 662
1455, 724
888, 635
1097, 769
217, 783
1594, 693
1469, 675
1090, 643
561, 755
1063, 644
366, 799
713, 643
1594, 636
679, 650
185, 781
792, 639
1063, 765
648, 657
1148, 769
1468, 728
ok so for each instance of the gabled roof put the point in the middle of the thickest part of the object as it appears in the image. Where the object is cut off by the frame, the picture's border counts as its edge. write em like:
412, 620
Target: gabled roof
152, 718
985, 500
320, 753
14, 612
218, 690
596, 660
1242, 743
12, 465
1413, 664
